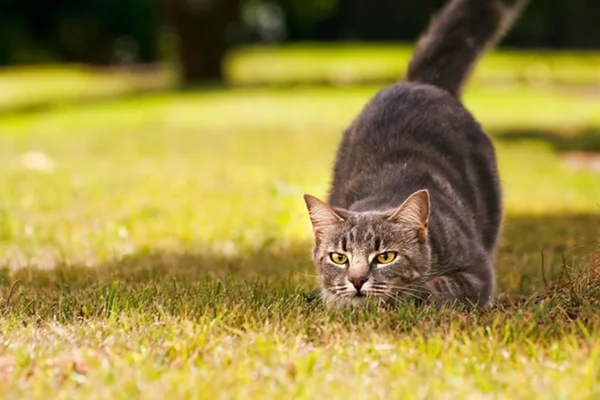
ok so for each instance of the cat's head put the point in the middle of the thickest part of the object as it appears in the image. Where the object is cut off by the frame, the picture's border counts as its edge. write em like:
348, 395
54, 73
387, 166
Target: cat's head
379, 255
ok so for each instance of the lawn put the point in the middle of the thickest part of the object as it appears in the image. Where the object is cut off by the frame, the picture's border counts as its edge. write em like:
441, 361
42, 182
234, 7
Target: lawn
158, 247
338, 65
353, 63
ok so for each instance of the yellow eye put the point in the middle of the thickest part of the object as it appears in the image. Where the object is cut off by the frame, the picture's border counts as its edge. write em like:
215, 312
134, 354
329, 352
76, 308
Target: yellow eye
338, 258
386, 258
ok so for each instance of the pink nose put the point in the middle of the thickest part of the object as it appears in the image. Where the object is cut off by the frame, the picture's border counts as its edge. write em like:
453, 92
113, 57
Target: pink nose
358, 282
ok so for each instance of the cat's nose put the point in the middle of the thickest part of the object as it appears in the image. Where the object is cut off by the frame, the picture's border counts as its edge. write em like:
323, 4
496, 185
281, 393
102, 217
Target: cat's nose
358, 282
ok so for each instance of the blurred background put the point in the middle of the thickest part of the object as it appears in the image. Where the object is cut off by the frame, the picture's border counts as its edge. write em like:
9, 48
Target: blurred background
196, 125
266, 42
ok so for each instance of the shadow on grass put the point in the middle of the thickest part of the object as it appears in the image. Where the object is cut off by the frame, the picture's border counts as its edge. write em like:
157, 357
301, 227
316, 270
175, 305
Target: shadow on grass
533, 252
43, 106
584, 140
155, 266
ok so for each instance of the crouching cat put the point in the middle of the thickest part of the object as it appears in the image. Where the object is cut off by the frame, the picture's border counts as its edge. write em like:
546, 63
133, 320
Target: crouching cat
415, 206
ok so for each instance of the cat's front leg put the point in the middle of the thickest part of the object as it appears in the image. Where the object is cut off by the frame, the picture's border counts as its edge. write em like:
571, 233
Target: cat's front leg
473, 289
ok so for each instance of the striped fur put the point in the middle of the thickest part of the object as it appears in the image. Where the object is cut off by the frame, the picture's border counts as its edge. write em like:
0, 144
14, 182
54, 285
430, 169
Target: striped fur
416, 175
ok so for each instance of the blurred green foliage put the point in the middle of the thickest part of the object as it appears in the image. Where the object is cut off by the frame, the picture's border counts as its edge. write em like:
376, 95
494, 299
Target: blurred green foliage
101, 32
97, 32
545, 23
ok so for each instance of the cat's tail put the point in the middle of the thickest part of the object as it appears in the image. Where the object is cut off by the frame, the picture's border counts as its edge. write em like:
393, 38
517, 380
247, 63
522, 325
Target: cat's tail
446, 53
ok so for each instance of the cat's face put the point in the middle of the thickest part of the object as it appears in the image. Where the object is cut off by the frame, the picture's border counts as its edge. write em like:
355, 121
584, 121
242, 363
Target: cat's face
383, 256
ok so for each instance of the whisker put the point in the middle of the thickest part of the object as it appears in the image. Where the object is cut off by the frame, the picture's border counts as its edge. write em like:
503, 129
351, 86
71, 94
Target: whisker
386, 285
417, 296
391, 296
345, 293
337, 288
443, 271
410, 291
407, 289
394, 296
340, 285
407, 284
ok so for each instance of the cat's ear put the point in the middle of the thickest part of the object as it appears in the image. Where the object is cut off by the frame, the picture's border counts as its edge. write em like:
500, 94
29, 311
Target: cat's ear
321, 215
415, 212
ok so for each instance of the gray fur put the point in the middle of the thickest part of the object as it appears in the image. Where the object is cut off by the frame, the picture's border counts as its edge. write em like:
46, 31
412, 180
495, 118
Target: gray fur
458, 35
415, 174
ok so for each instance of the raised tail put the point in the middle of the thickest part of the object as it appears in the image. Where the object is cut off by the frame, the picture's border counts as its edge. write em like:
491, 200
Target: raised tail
445, 55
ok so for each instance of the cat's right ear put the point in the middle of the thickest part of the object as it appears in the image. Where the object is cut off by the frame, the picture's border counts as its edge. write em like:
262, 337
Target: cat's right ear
321, 215
414, 212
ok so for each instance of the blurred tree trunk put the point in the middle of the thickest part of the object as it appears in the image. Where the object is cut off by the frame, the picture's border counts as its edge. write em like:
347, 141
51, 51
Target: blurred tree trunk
201, 27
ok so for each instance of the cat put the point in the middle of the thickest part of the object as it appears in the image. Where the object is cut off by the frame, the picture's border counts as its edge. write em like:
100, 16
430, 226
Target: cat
415, 205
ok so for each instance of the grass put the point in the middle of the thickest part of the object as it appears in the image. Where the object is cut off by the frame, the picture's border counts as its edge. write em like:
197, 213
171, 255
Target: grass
354, 63
340, 65
158, 247
37, 87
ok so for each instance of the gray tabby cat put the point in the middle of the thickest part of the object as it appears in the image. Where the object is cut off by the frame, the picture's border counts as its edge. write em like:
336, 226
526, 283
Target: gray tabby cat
415, 207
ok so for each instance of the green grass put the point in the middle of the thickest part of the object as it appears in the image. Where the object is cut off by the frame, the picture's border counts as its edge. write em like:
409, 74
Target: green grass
341, 65
354, 63
159, 248
36, 87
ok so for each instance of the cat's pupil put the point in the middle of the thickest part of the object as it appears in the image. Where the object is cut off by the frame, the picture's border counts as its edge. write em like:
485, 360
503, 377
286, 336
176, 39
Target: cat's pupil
386, 257
338, 258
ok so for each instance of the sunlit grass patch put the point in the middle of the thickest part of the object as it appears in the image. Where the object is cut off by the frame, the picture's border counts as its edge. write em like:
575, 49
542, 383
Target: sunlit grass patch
359, 63
38, 87
339, 65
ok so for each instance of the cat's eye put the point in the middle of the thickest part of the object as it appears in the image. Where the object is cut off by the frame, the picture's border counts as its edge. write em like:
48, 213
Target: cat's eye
386, 258
338, 258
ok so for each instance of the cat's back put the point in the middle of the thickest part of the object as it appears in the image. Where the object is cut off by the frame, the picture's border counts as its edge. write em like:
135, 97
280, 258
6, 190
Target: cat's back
408, 112
414, 123
412, 136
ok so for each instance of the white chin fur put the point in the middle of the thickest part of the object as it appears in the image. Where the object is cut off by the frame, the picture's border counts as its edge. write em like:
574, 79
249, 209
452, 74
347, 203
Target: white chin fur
359, 301
332, 301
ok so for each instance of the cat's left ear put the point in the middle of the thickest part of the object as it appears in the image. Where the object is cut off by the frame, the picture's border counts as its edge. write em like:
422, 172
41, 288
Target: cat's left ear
415, 212
321, 215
